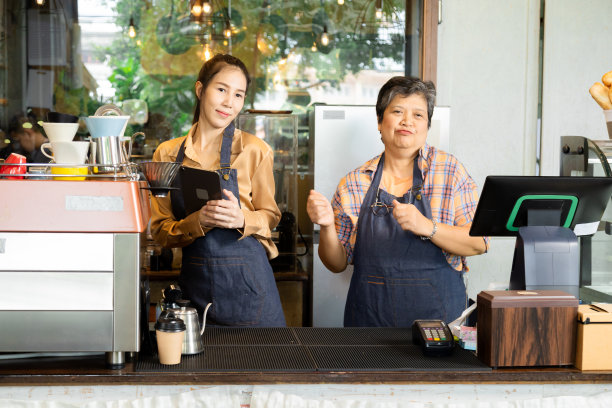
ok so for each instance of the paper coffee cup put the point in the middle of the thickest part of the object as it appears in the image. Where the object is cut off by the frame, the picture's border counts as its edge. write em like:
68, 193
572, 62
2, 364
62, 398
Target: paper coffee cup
169, 346
170, 331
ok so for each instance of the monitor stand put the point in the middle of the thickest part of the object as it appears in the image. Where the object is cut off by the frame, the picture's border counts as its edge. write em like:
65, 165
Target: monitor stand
546, 258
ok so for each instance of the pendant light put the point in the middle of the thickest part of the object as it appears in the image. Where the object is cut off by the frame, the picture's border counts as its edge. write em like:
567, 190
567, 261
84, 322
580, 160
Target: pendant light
40, 2
379, 12
132, 28
324, 36
283, 60
227, 31
206, 52
206, 7
196, 9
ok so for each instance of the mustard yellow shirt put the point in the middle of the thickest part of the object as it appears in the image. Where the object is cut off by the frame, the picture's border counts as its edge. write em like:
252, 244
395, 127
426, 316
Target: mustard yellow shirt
253, 159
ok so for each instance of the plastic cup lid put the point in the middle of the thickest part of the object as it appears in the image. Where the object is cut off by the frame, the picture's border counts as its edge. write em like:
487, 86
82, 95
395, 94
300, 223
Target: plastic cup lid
168, 322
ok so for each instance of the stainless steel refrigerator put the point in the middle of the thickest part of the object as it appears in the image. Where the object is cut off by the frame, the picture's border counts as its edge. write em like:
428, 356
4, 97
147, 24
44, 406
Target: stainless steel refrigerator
346, 136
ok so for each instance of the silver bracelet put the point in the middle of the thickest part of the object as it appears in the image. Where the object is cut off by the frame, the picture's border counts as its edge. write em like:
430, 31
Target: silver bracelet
435, 229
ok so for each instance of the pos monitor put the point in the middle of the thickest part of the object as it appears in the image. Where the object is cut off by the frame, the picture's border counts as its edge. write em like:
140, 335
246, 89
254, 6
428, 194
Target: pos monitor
546, 214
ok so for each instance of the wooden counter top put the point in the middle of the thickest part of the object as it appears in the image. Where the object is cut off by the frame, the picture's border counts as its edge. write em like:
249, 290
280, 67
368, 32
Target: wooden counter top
91, 370
288, 355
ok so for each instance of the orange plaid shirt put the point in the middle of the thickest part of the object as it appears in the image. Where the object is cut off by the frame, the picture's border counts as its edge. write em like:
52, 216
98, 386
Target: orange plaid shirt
451, 192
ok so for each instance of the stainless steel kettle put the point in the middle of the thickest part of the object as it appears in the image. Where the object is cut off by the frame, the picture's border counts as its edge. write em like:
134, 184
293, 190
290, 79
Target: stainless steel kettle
192, 342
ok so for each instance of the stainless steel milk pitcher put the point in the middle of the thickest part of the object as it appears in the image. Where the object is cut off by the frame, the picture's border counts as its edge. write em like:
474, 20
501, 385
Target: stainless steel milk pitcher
109, 152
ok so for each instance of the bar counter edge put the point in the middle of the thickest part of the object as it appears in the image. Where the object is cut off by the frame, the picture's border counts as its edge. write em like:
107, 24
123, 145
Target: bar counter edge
92, 372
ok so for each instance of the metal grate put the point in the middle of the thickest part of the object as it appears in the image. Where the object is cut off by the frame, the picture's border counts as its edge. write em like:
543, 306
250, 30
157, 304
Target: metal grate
236, 359
390, 358
249, 336
365, 336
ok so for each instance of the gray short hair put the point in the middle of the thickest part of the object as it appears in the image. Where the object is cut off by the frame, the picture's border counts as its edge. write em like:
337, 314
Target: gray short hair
405, 86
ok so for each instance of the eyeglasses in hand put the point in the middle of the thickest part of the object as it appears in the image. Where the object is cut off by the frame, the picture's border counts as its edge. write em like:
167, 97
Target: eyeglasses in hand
381, 209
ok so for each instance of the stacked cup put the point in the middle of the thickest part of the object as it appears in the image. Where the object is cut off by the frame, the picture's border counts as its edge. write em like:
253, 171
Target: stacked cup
61, 129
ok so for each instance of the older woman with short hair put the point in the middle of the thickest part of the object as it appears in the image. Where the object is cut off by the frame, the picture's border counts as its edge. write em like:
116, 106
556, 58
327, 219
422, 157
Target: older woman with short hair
402, 219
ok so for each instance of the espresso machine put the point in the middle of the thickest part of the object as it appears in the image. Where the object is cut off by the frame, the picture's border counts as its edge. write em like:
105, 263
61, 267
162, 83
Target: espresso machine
70, 265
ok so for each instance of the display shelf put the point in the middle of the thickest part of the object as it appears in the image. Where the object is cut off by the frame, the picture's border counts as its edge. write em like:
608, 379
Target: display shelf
280, 132
583, 157
285, 134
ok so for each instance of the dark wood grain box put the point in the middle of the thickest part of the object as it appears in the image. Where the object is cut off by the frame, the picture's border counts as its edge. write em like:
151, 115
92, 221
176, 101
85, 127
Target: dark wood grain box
523, 328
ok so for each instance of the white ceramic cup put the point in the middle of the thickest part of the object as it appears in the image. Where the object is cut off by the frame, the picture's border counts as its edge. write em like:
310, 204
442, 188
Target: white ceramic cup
66, 152
60, 132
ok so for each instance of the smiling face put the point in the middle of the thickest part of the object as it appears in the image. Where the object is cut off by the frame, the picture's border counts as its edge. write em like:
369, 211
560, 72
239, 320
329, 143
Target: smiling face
404, 125
222, 99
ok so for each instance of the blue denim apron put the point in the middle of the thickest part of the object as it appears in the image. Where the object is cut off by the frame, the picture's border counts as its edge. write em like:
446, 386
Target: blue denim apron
398, 277
220, 268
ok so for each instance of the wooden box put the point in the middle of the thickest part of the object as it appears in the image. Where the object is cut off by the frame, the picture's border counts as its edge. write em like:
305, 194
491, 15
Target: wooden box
519, 328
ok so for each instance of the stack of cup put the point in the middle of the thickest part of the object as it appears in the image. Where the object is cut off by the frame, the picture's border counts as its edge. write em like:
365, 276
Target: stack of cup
63, 150
170, 332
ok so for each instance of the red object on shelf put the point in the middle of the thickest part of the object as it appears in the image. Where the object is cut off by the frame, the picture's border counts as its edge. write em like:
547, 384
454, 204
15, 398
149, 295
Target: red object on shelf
19, 168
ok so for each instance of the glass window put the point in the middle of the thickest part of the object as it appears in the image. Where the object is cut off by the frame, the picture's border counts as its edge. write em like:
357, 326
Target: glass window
73, 56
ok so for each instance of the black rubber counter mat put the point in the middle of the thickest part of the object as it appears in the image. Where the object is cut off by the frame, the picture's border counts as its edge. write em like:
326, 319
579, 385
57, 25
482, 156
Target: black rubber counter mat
235, 359
391, 358
248, 336
358, 336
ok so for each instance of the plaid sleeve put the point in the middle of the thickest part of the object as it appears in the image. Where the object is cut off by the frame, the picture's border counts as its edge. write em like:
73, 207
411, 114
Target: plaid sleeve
344, 225
466, 200
347, 204
453, 196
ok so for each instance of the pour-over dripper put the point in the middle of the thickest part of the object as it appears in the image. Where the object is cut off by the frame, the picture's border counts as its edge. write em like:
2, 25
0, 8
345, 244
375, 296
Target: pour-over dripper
60, 132
101, 126
160, 176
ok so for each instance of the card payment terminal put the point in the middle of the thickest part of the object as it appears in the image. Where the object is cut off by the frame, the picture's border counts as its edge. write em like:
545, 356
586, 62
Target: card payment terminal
434, 336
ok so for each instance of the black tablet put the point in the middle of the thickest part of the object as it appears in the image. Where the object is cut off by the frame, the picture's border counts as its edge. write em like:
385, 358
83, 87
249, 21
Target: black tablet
198, 187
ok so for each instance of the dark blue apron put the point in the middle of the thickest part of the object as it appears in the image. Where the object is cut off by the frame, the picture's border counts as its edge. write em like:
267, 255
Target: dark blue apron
220, 268
398, 277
